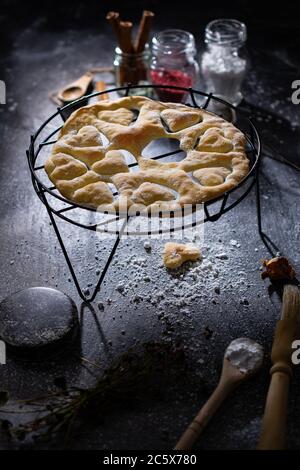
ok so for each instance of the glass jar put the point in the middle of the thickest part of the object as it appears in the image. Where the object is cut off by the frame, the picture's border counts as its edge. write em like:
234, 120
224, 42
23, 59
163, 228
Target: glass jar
131, 68
224, 62
173, 63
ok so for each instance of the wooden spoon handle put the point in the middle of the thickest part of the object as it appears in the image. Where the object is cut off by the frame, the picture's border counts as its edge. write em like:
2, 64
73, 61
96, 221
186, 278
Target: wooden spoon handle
273, 428
196, 427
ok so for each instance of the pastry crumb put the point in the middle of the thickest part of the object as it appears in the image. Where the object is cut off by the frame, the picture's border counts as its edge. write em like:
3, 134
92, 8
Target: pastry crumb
175, 254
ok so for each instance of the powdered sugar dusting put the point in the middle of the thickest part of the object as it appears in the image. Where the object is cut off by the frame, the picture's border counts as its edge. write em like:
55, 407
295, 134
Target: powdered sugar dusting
185, 285
245, 354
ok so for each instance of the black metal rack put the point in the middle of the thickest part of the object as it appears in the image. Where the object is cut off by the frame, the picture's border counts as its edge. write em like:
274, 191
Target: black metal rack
213, 209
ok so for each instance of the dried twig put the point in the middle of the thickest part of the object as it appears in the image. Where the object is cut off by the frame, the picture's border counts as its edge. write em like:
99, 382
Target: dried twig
128, 381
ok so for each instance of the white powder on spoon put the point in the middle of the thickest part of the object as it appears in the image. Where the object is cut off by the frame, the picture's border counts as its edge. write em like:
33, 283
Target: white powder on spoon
245, 354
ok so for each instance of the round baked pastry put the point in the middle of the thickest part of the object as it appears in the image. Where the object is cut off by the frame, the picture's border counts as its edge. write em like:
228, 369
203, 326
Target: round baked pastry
94, 174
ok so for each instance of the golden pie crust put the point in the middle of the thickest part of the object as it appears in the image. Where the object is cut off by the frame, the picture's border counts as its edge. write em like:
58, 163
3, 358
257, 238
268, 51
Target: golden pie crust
89, 172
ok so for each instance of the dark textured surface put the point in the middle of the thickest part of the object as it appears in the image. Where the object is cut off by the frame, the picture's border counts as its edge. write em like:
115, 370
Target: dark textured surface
45, 49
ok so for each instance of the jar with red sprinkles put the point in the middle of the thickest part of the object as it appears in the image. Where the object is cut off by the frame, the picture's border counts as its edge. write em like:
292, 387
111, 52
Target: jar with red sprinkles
173, 63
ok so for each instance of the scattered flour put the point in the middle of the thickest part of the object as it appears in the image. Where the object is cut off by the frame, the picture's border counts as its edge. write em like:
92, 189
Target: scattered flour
146, 280
235, 243
147, 245
185, 285
222, 256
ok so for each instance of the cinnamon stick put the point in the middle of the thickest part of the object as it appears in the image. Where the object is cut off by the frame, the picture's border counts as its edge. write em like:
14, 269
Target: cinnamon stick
114, 18
144, 30
100, 86
125, 36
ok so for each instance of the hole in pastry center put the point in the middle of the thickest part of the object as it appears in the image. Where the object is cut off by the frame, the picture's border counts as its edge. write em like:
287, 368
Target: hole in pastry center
135, 113
114, 190
165, 125
105, 141
196, 143
129, 158
159, 147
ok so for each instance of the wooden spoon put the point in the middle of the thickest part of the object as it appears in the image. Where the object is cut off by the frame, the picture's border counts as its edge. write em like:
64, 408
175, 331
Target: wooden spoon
76, 89
231, 377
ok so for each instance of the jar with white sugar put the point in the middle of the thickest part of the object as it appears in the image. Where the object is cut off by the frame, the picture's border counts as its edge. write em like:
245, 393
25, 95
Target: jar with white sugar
224, 61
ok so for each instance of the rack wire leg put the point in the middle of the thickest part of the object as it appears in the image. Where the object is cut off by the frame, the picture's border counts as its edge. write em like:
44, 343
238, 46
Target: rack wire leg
258, 205
269, 244
67, 258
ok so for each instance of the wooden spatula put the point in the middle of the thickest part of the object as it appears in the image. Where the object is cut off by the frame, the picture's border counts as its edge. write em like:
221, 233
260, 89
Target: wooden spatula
231, 377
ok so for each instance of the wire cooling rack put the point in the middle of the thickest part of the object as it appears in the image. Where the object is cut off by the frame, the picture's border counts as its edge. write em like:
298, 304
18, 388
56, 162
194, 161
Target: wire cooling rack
59, 207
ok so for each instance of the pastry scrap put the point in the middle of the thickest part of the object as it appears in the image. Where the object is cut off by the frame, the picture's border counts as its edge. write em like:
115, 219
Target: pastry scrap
278, 268
175, 254
95, 174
